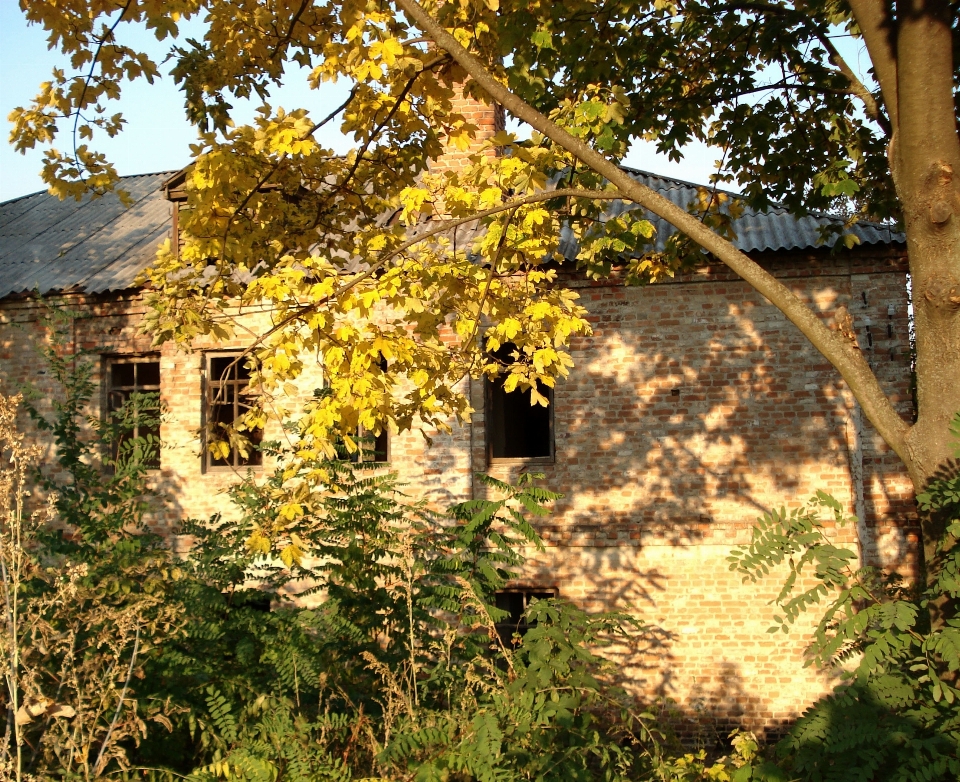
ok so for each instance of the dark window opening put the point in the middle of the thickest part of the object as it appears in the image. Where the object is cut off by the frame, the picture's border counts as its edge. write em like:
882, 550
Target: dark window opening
133, 403
515, 602
257, 601
228, 399
516, 429
371, 448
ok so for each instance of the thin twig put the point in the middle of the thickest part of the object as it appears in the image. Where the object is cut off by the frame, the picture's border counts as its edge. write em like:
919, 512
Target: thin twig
271, 171
870, 104
123, 694
86, 83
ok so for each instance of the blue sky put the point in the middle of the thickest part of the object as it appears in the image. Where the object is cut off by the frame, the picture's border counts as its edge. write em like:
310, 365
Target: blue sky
157, 137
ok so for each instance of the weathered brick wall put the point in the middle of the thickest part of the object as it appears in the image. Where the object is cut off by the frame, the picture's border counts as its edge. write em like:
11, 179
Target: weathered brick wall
488, 120
94, 328
657, 485
694, 407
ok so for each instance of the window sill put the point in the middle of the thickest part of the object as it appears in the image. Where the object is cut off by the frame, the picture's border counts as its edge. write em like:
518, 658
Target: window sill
521, 460
242, 470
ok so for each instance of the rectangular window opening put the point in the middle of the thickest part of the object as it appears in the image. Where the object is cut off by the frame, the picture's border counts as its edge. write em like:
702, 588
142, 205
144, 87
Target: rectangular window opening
227, 398
132, 388
372, 448
516, 429
515, 602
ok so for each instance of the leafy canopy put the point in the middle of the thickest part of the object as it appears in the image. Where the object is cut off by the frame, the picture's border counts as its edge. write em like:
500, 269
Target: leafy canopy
377, 255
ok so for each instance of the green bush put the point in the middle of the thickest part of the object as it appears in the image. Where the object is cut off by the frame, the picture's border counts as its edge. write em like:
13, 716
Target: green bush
895, 716
334, 629
395, 669
85, 591
398, 670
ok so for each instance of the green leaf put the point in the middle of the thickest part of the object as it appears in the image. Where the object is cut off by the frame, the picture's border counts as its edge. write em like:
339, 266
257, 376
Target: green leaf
542, 39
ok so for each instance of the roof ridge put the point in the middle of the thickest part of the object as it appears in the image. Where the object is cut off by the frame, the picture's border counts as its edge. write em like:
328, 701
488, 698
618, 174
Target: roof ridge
125, 176
774, 205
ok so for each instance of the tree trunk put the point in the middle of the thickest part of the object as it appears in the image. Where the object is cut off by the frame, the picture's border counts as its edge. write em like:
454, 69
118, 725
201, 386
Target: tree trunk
925, 160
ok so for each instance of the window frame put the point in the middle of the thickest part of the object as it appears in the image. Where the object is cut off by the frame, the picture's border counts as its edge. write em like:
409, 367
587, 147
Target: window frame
358, 456
207, 402
489, 390
527, 593
108, 389
361, 432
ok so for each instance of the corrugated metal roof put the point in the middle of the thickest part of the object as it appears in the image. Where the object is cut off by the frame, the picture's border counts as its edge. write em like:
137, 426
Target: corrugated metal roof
97, 245
774, 229
94, 245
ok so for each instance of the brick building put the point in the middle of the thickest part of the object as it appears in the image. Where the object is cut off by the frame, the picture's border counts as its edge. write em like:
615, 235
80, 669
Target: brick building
694, 406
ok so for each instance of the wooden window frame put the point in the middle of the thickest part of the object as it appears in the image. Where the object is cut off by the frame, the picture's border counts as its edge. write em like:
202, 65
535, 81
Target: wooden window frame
367, 458
211, 387
111, 390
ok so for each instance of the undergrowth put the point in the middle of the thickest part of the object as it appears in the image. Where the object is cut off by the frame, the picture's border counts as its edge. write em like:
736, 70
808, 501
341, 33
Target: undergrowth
350, 632
895, 716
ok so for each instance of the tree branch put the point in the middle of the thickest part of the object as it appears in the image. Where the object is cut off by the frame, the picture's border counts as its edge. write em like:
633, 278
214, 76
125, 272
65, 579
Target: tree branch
786, 84
857, 87
269, 173
870, 104
879, 34
374, 134
284, 40
98, 766
441, 227
108, 35
836, 349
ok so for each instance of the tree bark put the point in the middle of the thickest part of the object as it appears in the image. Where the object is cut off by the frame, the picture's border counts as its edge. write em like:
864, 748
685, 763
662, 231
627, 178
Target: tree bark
926, 167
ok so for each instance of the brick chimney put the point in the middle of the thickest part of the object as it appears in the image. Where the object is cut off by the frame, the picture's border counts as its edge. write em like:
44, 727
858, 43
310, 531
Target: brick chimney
489, 120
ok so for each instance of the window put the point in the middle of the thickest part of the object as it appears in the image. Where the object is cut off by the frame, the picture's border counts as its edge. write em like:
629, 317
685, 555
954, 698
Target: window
372, 448
133, 384
227, 399
515, 428
515, 602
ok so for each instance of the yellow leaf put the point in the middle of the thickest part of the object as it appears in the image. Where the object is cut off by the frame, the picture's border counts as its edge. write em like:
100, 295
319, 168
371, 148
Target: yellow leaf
291, 555
258, 543
219, 449
536, 398
291, 511
391, 50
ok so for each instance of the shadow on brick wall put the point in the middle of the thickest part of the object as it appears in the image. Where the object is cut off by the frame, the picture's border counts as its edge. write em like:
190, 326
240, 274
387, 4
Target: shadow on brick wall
690, 413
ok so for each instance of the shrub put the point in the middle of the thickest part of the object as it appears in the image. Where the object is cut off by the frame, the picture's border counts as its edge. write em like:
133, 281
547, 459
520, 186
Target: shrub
895, 716
84, 597
398, 671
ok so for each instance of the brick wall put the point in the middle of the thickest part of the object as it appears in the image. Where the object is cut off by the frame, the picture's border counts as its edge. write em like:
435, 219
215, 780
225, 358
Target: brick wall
693, 407
488, 119
94, 328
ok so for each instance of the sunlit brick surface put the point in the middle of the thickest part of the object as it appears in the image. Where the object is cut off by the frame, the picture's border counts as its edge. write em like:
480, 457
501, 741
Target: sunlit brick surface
693, 407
